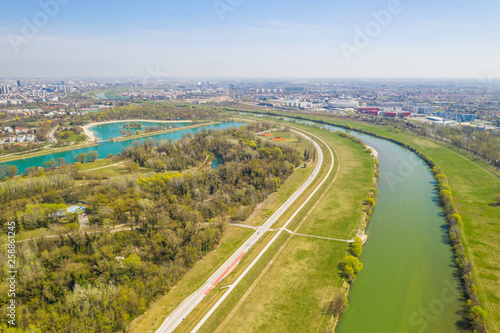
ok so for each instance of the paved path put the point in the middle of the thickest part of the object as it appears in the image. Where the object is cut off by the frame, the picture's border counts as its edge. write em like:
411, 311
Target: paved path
320, 237
106, 166
52, 137
117, 228
184, 309
294, 233
243, 225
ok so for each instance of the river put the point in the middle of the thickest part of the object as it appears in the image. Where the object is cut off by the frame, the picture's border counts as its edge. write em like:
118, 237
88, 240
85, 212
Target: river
105, 149
409, 280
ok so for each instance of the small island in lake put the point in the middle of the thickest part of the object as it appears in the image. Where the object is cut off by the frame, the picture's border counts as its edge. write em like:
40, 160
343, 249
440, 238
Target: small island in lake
133, 125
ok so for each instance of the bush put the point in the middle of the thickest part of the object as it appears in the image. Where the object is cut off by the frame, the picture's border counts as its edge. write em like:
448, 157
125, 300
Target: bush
355, 249
354, 263
339, 304
454, 219
478, 316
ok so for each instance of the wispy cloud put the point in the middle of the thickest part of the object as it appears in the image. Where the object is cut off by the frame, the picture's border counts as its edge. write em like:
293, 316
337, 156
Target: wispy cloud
156, 32
298, 26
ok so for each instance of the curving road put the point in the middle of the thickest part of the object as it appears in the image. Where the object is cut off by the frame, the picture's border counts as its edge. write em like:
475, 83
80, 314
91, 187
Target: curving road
188, 305
242, 275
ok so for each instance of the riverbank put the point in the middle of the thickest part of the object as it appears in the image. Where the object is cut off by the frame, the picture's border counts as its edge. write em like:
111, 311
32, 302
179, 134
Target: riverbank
473, 193
92, 138
407, 258
356, 248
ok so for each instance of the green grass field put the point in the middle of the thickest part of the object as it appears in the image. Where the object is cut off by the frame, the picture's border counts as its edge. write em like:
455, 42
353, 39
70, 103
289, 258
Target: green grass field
474, 185
293, 294
113, 94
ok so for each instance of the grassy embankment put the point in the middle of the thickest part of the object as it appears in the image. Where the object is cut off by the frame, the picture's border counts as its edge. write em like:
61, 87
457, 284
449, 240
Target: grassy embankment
474, 185
303, 278
232, 239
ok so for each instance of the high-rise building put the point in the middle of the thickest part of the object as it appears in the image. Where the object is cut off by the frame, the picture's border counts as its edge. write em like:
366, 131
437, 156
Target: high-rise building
18, 84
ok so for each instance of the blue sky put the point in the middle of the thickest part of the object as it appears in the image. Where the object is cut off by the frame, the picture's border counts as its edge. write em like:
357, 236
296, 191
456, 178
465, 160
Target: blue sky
249, 38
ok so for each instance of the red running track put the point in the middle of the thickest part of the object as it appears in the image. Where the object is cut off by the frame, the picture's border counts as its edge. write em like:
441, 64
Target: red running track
224, 274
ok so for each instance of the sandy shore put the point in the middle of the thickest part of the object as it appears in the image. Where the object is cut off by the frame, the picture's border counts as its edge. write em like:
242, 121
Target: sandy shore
374, 152
93, 138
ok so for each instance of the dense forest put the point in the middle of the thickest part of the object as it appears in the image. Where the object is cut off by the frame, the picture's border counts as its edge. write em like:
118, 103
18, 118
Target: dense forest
159, 111
176, 208
152, 111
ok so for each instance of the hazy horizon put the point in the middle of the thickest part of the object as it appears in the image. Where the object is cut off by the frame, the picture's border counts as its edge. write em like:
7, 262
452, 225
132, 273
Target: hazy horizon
205, 78
240, 39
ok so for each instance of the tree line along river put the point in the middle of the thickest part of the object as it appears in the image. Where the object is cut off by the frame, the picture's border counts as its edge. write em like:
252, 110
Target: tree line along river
104, 149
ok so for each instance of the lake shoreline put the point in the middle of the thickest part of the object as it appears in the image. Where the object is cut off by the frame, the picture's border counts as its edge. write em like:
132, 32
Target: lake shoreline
91, 136
95, 144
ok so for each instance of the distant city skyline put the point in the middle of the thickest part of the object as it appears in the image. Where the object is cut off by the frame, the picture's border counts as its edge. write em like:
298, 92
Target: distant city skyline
250, 39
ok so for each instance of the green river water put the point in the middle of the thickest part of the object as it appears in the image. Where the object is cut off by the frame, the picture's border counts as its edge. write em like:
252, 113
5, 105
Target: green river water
409, 280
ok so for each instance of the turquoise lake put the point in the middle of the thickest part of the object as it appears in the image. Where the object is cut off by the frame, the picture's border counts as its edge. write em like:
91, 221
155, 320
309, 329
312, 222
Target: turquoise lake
113, 130
104, 149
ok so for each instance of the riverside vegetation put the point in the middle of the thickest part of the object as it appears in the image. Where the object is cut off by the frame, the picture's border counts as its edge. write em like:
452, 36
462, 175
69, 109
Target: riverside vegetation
481, 143
351, 264
98, 281
475, 314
